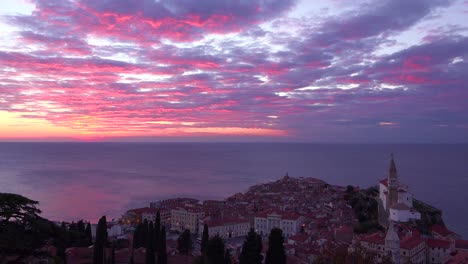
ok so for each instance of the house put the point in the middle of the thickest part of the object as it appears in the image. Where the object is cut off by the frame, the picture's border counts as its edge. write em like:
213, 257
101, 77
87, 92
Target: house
227, 227
290, 223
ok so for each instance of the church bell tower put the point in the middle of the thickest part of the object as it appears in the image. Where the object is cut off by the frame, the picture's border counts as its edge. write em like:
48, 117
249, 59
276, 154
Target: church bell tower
392, 198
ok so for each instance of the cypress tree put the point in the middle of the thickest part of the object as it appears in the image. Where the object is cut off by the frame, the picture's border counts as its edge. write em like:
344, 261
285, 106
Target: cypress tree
144, 234
62, 243
80, 227
205, 237
184, 243
137, 236
157, 231
89, 234
162, 255
276, 253
100, 241
150, 244
251, 249
215, 250
112, 260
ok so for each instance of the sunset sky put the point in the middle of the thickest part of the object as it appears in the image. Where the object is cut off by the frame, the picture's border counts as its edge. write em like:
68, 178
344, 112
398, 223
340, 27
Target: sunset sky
234, 70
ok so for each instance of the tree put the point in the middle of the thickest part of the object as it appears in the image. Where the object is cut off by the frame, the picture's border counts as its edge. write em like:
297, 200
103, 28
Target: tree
144, 232
227, 257
137, 236
17, 208
276, 253
80, 226
162, 254
251, 249
184, 242
100, 241
62, 242
215, 250
205, 237
89, 234
22, 230
112, 258
157, 231
150, 244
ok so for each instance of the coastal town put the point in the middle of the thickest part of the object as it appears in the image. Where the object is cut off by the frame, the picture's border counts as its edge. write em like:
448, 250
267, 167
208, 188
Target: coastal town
318, 222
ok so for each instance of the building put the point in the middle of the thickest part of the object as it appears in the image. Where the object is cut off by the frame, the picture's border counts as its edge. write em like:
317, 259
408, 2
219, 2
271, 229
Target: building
187, 217
413, 250
395, 200
138, 215
227, 228
289, 222
460, 257
443, 232
397, 248
439, 249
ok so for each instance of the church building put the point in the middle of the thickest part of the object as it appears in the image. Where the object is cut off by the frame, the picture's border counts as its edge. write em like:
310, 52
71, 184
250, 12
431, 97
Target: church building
396, 202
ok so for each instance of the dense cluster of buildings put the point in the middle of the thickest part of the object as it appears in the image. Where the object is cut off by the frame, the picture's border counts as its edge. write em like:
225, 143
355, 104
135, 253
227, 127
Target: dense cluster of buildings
315, 218
402, 243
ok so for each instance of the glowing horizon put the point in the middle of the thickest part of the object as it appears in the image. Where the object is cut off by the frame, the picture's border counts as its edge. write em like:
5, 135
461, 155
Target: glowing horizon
283, 70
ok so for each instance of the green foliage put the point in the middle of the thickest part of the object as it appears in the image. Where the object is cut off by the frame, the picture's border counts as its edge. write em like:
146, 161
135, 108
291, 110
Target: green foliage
162, 253
17, 208
138, 236
215, 250
251, 249
89, 235
22, 230
365, 207
79, 235
349, 189
429, 216
184, 242
100, 241
205, 237
150, 244
157, 232
276, 253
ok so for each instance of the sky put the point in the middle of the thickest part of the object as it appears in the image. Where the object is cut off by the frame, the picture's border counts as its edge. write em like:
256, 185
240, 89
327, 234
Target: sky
234, 70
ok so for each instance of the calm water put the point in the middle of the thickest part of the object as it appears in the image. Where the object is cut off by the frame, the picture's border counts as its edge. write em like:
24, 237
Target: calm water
87, 180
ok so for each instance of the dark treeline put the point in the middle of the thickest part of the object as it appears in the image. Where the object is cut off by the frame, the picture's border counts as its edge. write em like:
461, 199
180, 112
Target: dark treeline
23, 232
152, 237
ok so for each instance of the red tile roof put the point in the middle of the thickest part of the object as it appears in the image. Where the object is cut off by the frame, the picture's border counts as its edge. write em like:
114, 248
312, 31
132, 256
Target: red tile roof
438, 243
301, 238
463, 244
226, 221
442, 230
384, 182
375, 238
460, 258
411, 242
143, 210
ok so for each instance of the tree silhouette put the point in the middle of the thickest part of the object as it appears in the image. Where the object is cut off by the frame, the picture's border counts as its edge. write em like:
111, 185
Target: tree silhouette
184, 242
100, 241
251, 249
276, 253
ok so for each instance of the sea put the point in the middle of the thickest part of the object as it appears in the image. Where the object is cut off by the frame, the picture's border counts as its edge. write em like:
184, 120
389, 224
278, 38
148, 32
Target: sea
80, 180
